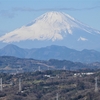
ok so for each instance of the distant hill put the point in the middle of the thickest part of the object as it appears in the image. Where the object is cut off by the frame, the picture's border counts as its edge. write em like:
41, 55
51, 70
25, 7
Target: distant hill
12, 50
52, 52
13, 65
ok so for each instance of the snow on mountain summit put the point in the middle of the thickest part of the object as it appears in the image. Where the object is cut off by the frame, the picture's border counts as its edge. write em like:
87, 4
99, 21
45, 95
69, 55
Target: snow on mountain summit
49, 26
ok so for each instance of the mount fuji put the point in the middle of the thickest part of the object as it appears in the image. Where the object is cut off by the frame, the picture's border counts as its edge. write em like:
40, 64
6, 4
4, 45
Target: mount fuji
54, 28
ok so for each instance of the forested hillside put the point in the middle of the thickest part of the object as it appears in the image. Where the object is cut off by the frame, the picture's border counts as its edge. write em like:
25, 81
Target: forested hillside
19, 65
50, 85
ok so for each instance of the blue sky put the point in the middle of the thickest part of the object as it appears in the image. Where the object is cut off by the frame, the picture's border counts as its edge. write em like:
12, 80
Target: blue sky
16, 13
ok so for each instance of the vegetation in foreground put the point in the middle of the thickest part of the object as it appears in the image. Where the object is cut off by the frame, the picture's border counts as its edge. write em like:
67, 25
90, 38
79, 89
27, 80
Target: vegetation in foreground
69, 85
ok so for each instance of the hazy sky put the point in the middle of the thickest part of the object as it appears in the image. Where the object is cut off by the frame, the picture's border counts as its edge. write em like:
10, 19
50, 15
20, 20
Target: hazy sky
16, 13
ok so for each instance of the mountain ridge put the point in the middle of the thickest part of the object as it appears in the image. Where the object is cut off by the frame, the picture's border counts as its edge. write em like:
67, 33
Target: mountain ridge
51, 52
10, 64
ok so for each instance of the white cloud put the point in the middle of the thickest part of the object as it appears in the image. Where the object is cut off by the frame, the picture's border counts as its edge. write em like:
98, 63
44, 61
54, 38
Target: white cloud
29, 9
82, 39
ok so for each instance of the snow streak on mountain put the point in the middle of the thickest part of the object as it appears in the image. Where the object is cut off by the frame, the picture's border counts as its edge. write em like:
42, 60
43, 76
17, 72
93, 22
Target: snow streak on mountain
49, 26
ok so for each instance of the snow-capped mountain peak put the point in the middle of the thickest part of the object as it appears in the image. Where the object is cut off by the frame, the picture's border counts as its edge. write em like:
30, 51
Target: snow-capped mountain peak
49, 26
54, 26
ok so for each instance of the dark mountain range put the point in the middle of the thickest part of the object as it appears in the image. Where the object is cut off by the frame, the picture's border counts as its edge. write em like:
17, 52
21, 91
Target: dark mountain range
13, 65
12, 50
51, 52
